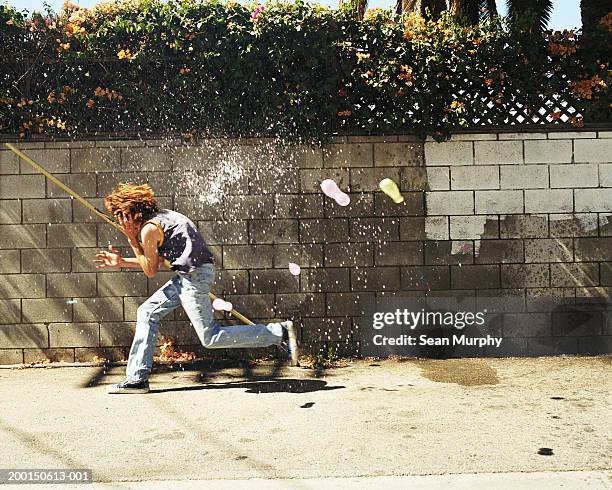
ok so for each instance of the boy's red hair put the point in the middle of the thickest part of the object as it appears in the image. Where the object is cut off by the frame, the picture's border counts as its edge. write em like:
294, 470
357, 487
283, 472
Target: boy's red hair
138, 200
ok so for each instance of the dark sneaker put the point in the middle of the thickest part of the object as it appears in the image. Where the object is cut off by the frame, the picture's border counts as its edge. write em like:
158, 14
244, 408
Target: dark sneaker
290, 344
128, 386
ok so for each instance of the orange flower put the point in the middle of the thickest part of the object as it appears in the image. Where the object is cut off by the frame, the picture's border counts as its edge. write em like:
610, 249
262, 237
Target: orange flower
90, 103
344, 113
488, 82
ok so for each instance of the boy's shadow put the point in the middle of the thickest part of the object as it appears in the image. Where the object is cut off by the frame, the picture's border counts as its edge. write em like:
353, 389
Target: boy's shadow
263, 386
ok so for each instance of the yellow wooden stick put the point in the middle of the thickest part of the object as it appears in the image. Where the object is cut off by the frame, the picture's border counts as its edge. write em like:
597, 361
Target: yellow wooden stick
96, 211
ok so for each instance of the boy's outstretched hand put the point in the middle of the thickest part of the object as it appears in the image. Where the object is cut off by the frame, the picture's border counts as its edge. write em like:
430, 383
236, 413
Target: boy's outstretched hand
110, 258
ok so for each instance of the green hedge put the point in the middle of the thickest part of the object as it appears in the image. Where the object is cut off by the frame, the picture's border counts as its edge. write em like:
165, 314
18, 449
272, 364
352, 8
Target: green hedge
298, 70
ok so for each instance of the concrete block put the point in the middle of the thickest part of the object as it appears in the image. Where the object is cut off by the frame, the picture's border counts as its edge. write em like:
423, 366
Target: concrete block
299, 206
327, 329
11, 356
145, 159
247, 207
416, 178
273, 231
593, 200
367, 179
22, 236
108, 309
326, 279
574, 275
525, 275
71, 235
473, 137
84, 185
577, 323
24, 335
122, 284
198, 210
525, 176
374, 229
549, 250
74, 335
574, 175
605, 174
22, 186
481, 177
53, 161
47, 210
597, 345
425, 278
159, 280
498, 152
413, 205
304, 156
310, 179
375, 279
573, 225
10, 311
593, 249
71, 285
593, 151
300, 305
272, 281
129, 312
83, 259
498, 202
117, 334
413, 228
548, 151
22, 286
604, 134
247, 256
324, 230
398, 253
305, 255
475, 276
10, 212
346, 304
449, 202
9, 162
349, 255
95, 160
36, 356
473, 227
523, 226
224, 232
274, 178
97, 354
500, 252
361, 205
442, 252
9, 262
348, 155
567, 135
549, 201
527, 325
521, 136
399, 154
46, 310
231, 282
449, 153
437, 228
436, 179
550, 299
260, 306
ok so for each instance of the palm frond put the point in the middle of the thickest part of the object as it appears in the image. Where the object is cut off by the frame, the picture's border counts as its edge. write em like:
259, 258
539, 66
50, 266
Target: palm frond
530, 13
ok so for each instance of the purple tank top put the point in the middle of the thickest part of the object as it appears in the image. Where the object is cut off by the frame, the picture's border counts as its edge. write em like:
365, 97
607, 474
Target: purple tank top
183, 247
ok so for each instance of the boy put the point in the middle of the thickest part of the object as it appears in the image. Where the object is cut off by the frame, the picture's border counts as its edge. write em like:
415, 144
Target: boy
165, 237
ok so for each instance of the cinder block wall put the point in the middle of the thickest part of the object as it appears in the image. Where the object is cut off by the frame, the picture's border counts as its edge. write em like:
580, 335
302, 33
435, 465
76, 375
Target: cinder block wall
522, 215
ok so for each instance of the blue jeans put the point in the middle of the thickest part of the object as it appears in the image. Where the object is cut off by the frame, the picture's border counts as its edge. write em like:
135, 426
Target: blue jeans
191, 291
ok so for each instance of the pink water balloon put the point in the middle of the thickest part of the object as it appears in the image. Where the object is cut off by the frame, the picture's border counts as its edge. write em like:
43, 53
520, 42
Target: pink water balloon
294, 269
222, 305
218, 304
331, 189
